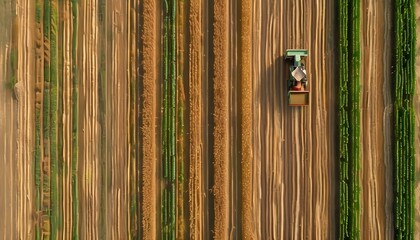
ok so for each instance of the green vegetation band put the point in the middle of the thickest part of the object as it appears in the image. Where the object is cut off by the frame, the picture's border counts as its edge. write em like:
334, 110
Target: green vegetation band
53, 119
404, 85
38, 157
75, 122
169, 121
349, 118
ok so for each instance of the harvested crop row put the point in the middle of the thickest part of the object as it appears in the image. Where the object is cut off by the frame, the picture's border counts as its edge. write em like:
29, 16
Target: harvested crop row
148, 64
349, 118
404, 119
245, 106
195, 121
221, 120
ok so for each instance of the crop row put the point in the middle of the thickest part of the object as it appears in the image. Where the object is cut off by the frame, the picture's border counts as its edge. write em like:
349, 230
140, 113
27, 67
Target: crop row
404, 84
75, 122
169, 122
349, 118
46, 125
180, 184
133, 159
38, 101
53, 118
102, 122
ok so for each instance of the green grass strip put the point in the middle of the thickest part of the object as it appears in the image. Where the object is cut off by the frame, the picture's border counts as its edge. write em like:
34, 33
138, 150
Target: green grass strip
404, 120
169, 121
46, 184
349, 118
355, 119
38, 157
53, 117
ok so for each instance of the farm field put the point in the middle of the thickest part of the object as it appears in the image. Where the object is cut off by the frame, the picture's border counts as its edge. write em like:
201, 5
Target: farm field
170, 120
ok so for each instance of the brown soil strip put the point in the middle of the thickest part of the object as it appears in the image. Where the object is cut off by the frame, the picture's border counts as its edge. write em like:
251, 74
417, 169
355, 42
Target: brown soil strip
375, 52
221, 131
148, 65
245, 104
118, 87
195, 105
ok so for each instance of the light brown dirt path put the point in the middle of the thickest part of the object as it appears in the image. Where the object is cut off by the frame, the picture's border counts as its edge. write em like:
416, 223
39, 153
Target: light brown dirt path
417, 136
88, 117
294, 154
375, 80
8, 127
118, 117
24, 94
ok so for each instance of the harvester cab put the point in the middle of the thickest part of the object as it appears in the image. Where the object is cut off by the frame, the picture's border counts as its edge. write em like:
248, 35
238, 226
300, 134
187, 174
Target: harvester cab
298, 92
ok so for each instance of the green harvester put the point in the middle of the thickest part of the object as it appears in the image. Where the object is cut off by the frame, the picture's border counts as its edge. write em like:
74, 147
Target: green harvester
298, 92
